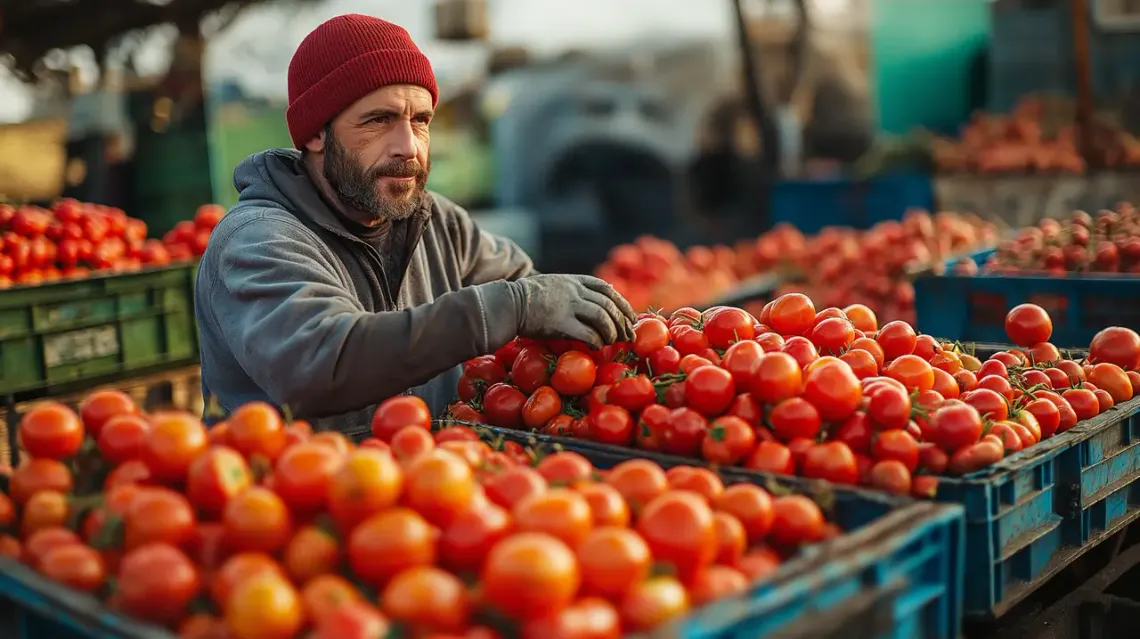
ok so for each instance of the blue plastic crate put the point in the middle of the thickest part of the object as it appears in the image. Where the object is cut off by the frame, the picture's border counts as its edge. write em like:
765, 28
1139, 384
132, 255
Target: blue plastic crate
893, 545
810, 205
1035, 512
973, 308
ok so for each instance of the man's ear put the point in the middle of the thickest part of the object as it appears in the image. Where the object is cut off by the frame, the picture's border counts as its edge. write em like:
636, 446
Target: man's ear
317, 144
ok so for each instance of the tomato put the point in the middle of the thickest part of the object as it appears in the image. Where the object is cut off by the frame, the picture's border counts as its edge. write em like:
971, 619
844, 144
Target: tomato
776, 377
792, 314
353, 620
1028, 324
717, 582
530, 575
741, 360
1113, 380
565, 468
654, 602
532, 368
896, 339
560, 512
989, 403
759, 562
121, 437
862, 317
51, 431
796, 520
663, 361
993, 367
237, 569
726, 326
772, 457
955, 425
35, 475
214, 477
100, 406
588, 617
606, 504
75, 566
794, 417
862, 363
157, 582
914, 372
558, 426
256, 520
832, 461
974, 457
367, 482
175, 439
574, 373
747, 408
1083, 402
833, 336
834, 391
256, 429
310, 553
130, 472
709, 390
542, 406
465, 542
678, 526
702, 481
684, 432
650, 335
802, 350
158, 515
729, 441
889, 408
688, 340
439, 485
390, 416
503, 406
427, 599
892, 476
632, 393
898, 445
613, 560
1116, 345
45, 509
751, 505
389, 542
265, 606
1046, 414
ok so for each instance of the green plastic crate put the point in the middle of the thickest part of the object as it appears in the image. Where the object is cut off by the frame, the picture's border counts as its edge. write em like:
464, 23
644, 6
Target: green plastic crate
56, 335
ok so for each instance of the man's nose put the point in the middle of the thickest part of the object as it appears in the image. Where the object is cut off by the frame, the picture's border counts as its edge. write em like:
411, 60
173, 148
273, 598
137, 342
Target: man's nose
402, 141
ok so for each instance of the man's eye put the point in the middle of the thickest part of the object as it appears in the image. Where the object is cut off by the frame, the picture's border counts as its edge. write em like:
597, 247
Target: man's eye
379, 119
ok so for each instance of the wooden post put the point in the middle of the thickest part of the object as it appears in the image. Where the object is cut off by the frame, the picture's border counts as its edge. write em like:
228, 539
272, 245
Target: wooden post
1080, 14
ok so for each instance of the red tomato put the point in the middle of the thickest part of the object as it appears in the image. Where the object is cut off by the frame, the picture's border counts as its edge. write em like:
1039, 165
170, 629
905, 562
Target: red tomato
1028, 324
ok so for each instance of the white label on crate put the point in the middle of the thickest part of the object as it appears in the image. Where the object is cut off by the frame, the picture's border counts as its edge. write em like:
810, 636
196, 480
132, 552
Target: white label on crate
80, 346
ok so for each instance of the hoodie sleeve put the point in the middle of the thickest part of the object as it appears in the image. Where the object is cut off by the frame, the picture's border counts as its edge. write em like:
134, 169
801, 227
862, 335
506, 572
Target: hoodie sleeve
297, 331
485, 257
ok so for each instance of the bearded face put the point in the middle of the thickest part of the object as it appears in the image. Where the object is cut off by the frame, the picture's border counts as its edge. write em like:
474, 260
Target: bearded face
390, 190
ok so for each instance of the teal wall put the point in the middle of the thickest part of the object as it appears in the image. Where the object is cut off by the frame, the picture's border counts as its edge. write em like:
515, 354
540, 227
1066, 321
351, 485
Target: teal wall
921, 52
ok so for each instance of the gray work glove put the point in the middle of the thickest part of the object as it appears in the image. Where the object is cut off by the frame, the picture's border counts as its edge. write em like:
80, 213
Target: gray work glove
577, 307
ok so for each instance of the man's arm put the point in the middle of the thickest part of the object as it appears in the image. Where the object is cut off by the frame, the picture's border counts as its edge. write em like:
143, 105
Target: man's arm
305, 340
485, 257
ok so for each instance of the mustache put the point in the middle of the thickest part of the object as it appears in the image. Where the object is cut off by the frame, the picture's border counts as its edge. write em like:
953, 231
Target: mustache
397, 170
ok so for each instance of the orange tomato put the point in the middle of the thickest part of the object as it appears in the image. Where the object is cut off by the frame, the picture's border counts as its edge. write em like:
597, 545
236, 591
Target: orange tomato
397, 412
699, 480
101, 406
589, 617
158, 515
156, 583
560, 512
265, 606
256, 520
50, 431
565, 468
465, 542
653, 602
639, 481
759, 562
427, 599
613, 560
10, 547
751, 505
439, 485
367, 482
717, 582
256, 429
7, 511
311, 552
215, 477
45, 509
236, 570
389, 542
174, 441
411, 442
121, 437
75, 566
35, 475
303, 473
530, 575
731, 538
38, 544
606, 504
324, 594
332, 439
679, 528
512, 485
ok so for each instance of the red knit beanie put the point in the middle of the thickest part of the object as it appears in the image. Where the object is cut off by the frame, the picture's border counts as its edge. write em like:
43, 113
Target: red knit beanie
345, 59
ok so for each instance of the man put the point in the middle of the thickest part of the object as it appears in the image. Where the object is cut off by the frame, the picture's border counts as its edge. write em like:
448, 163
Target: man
337, 281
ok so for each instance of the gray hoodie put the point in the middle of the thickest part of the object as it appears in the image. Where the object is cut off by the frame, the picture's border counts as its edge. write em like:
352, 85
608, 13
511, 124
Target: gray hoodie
293, 309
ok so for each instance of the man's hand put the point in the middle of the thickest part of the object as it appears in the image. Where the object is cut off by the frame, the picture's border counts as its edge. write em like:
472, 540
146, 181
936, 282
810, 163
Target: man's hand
574, 307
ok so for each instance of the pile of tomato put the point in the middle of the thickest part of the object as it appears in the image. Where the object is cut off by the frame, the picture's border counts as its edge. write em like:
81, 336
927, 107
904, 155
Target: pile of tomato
838, 266
1108, 242
258, 528
827, 394
73, 239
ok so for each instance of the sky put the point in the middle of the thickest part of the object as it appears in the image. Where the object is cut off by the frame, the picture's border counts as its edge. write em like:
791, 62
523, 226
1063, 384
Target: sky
256, 48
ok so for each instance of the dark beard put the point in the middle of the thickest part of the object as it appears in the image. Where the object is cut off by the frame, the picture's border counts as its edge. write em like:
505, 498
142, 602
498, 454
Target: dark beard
358, 187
